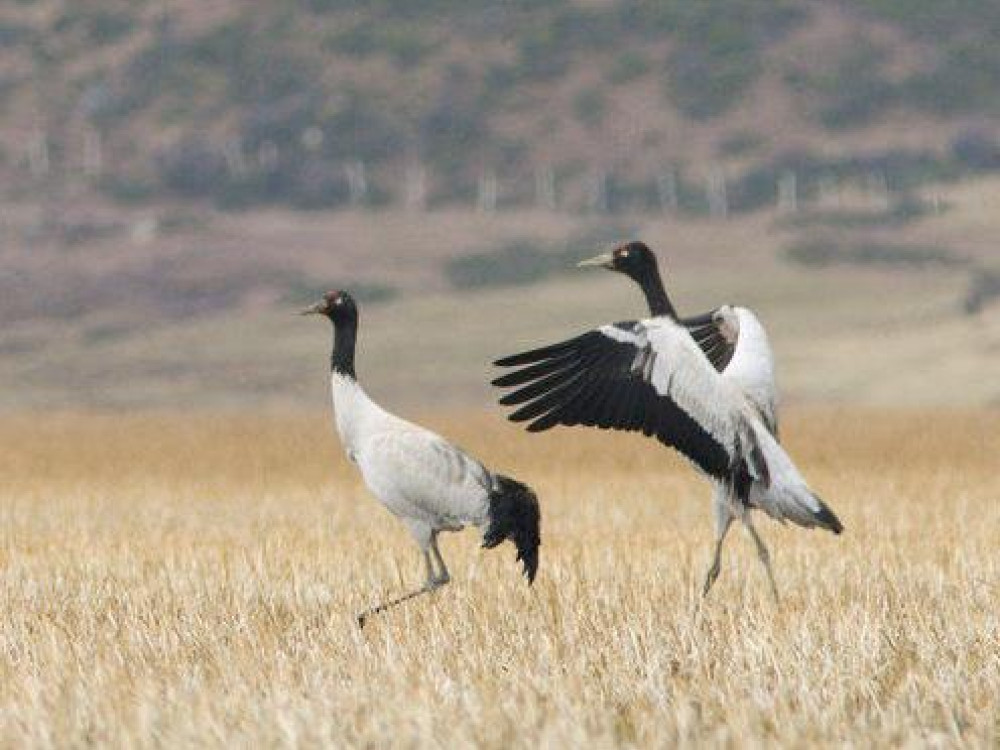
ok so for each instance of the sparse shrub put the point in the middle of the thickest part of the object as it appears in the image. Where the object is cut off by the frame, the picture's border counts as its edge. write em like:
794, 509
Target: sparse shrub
280, 122
863, 97
318, 184
903, 169
329, 6
192, 168
849, 91
104, 333
514, 263
525, 261
541, 54
498, 81
903, 210
755, 189
628, 66
128, 189
85, 232
828, 252
106, 27
932, 18
399, 42
452, 128
966, 80
626, 194
984, 289
13, 34
976, 149
363, 127
245, 191
719, 45
739, 144
589, 104
704, 84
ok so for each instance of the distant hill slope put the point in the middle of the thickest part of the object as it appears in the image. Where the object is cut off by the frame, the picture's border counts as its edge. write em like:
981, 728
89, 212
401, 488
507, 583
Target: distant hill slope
136, 136
205, 317
311, 102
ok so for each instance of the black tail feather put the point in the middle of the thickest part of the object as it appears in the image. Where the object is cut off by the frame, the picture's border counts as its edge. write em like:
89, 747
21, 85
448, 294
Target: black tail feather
514, 515
826, 518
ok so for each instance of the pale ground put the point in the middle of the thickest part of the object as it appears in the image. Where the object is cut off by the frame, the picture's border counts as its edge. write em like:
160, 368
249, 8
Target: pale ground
875, 336
841, 335
170, 581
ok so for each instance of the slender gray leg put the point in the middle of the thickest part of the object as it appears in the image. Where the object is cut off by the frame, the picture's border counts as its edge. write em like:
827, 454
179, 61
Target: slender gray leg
723, 520
429, 585
429, 570
713, 571
763, 554
442, 576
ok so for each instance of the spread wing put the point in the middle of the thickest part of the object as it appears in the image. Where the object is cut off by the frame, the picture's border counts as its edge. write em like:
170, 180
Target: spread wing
646, 376
707, 332
735, 342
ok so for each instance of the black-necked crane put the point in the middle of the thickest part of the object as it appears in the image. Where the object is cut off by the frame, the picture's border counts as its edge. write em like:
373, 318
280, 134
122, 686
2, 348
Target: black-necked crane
703, 385
429, 484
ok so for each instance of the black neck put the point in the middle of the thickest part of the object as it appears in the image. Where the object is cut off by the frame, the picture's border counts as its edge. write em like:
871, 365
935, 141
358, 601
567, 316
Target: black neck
345, 333
656, 295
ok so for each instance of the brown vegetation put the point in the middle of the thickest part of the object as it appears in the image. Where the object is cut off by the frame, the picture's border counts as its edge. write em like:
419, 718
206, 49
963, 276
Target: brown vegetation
175, 580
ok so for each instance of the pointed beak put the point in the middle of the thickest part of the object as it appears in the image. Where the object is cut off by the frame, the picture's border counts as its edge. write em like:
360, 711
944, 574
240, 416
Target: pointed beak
316, 309
604, 260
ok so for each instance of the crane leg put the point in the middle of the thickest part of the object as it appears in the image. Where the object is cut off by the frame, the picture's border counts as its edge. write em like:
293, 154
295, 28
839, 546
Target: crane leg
723, 520
763, 554
431, 583
442, 576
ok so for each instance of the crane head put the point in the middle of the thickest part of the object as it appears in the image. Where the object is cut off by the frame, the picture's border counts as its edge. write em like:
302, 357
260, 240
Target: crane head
335, 305
634, 259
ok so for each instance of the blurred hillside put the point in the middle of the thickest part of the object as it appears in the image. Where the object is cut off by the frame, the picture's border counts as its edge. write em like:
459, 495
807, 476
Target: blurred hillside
239, 104
205, 316
179, 176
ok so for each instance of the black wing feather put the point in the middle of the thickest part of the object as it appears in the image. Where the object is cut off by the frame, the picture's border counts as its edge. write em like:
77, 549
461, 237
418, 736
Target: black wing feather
519, 377
704, 329
540, 354
605, 382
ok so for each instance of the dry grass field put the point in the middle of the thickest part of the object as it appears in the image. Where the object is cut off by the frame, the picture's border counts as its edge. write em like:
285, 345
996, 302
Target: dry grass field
170, 581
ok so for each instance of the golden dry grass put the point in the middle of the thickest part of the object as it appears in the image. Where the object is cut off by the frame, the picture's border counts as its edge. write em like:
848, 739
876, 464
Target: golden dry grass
174, 581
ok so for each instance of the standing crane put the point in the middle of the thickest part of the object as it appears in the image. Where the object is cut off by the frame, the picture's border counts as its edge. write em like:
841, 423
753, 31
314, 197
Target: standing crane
429, 484
703, 385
